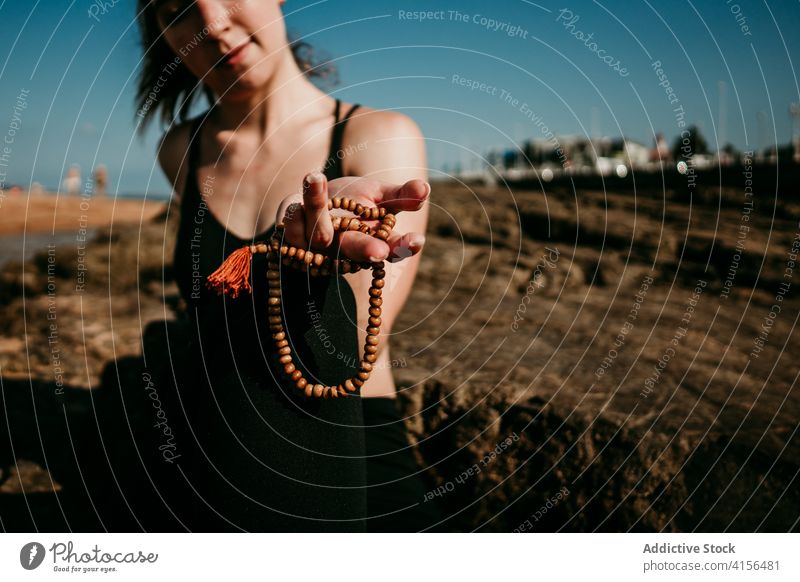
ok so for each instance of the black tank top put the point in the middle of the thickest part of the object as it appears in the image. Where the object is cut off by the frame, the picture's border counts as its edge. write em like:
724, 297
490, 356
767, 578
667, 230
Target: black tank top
267, 458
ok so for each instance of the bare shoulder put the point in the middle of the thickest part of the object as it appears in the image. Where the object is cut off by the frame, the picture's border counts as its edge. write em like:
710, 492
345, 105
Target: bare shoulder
387, 145
373, 124
173, 155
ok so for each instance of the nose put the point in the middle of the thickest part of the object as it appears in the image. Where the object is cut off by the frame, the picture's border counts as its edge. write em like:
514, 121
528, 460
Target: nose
214, 15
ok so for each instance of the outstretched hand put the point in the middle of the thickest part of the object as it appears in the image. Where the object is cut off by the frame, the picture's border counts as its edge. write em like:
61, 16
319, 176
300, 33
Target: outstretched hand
309, 225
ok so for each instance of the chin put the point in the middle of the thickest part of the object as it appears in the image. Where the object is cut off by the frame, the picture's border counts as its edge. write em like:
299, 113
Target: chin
252, 80
241, 90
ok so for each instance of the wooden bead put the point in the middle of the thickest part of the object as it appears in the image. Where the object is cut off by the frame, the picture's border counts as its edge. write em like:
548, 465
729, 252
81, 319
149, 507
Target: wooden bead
371, 358
378, 273
281, 343
285, 359
372, 330
378, 283
366, 366
370, 349
279, 336
337, 202
309, 390
301, 383
289, 368
292, 251
363, 376
300, 254
373, 311
274, 301
376, 321
382, 233
382, 212
378, 265
318, 390
349, 385
375, 292
296, 375
345, 224
275, 293
277, 318
285, 351
358, 382
326, 392
372, 340
375, 301
309, 258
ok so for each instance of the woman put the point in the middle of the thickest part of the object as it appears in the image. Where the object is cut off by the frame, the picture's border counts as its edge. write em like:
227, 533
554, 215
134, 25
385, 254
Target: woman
263, 457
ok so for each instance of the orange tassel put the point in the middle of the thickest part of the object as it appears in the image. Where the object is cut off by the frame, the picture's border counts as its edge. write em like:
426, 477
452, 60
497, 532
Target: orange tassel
233, 276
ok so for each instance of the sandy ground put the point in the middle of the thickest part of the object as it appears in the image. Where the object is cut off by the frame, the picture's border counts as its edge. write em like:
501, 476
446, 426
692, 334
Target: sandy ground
48, 213
529, 320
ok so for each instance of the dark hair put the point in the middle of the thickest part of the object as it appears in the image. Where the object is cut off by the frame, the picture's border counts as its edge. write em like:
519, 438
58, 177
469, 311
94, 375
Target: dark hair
167, 86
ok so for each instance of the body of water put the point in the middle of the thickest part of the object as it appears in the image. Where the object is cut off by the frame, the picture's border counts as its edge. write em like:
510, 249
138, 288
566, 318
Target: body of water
16, 247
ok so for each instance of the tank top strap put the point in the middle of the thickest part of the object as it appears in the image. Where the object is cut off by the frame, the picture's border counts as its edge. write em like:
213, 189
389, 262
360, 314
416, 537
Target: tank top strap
333, 166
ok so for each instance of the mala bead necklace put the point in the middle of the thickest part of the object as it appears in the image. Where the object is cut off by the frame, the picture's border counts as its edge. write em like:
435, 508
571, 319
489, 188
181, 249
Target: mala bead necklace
233, 277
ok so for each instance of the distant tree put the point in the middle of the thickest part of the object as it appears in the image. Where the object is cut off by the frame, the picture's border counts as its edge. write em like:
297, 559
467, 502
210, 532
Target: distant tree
689, 145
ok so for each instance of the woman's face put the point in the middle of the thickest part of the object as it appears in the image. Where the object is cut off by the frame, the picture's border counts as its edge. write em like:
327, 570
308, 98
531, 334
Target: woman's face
231, 45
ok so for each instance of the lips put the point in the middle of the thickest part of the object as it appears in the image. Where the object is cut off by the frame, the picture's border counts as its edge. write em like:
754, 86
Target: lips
234, 56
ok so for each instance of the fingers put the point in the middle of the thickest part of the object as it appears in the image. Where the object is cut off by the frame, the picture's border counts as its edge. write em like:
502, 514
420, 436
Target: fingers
319, 230
362, 247
291, 215
403, 246
308, 225
408, 197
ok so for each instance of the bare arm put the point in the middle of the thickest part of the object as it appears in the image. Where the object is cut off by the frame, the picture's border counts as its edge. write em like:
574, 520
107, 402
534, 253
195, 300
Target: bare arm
391, 148
385, 155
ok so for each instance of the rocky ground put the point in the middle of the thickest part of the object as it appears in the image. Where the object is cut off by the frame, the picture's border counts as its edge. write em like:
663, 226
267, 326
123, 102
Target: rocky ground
566, 363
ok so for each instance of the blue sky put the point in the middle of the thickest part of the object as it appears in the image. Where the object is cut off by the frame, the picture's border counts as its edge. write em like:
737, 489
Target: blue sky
533, 58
